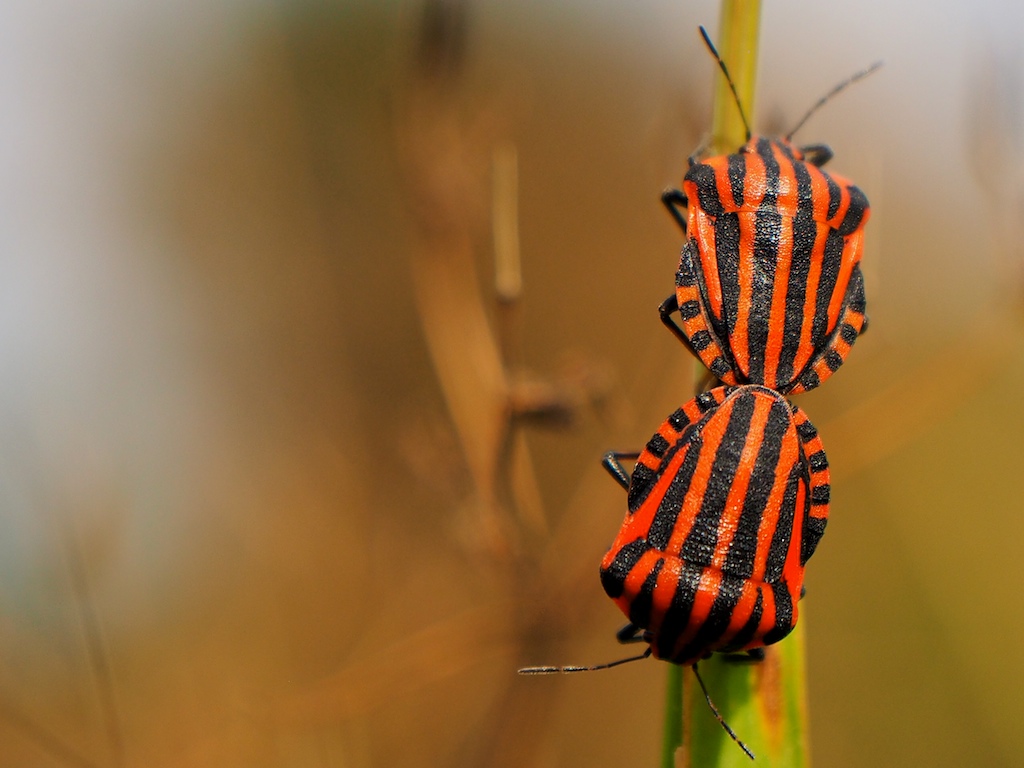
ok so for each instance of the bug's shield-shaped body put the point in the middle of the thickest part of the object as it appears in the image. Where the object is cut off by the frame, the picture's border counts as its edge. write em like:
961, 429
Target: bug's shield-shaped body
768, 286
726, 504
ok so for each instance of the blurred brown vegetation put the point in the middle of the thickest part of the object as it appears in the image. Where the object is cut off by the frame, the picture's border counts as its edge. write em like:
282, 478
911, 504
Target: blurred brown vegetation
304, 490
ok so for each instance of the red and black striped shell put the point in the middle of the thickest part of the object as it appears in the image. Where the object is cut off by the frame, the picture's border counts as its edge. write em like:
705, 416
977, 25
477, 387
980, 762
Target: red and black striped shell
769, 288
726, 504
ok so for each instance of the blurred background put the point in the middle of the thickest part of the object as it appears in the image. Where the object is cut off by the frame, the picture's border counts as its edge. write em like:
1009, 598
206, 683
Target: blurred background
288, 478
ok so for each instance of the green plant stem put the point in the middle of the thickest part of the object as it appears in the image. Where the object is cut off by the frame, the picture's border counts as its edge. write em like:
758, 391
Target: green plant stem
764, 703
673, 733
739, 24
738, 29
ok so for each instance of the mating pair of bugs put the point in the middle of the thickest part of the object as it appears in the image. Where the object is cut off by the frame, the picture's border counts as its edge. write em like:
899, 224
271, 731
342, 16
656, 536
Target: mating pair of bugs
729, 499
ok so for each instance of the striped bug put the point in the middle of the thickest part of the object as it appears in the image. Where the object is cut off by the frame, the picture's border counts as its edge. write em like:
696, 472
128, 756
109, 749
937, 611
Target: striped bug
769, 288
726, 504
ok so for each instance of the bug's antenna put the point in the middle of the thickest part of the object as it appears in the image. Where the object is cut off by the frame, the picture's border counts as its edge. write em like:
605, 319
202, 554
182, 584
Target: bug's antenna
718, 717
842, 86
728, 78
570, 669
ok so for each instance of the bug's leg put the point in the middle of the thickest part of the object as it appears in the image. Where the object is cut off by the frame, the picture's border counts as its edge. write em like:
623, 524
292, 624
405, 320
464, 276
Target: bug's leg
852, 322
696, 331
631, 633
665, 310
673, 200
817, 154
612, 462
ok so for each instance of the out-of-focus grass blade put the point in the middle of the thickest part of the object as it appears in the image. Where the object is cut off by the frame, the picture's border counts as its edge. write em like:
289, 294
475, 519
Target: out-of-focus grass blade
765, 703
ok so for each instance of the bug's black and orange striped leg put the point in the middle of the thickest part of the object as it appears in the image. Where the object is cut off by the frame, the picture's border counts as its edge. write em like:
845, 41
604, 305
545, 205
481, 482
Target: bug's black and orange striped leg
817, 154
612, 462
673, 200
697, 326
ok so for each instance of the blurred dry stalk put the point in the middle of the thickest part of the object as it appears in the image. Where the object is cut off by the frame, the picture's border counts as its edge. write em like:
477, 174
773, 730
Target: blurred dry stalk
446, 156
